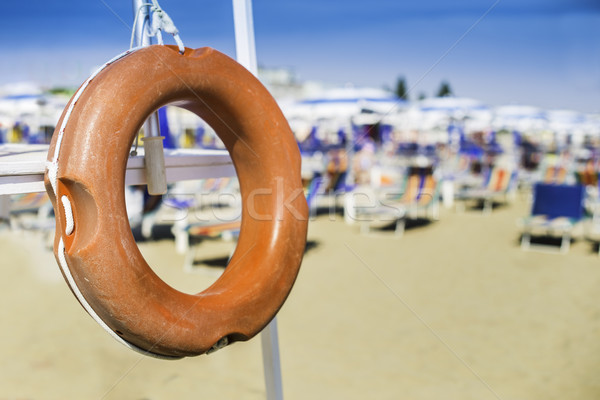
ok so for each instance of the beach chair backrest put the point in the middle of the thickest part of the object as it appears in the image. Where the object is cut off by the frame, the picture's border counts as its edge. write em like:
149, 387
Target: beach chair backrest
555, 201
411, 188
28, 201
555, 174
340, 182
420, 188
427, 189
499, 179
587, 177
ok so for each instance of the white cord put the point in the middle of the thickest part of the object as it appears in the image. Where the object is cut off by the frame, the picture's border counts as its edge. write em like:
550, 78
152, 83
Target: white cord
160, 22
69, 220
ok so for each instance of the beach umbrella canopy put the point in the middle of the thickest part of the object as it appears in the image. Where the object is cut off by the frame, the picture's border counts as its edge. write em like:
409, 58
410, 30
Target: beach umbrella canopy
457, 107
568, 122
440, 112
343, 104
521, 118
593, 124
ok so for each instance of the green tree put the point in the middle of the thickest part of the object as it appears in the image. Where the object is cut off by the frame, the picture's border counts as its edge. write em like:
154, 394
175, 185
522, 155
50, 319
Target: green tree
444, 89
401, 90
67, 91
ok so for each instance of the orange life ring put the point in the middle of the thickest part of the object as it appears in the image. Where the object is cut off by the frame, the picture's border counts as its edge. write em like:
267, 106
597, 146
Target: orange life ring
94, 246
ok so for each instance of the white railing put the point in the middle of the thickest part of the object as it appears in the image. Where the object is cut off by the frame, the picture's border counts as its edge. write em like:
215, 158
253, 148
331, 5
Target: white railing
22, 167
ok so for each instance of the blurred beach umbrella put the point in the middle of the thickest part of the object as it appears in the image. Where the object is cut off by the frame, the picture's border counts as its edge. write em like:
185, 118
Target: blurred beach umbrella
21, 104
35, 112
568, 122
343, 104
593, 124
441, 112
332, 114
456, 107
521, 118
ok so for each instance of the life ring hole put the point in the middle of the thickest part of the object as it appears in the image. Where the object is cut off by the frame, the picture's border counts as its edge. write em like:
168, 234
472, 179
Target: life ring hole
190, 234
194, 225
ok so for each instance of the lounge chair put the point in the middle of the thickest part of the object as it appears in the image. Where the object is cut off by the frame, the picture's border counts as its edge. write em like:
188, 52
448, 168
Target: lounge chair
366, 206
184, 199
418, 193
556, 210
587, 177
498, 182
421, 194
28, 211
207, 209
194, 234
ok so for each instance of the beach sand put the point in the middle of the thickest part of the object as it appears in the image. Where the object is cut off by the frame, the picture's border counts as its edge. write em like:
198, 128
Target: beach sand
451, 310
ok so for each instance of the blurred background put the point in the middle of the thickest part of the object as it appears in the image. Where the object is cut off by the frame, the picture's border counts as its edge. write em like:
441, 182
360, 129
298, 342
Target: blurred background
450, 159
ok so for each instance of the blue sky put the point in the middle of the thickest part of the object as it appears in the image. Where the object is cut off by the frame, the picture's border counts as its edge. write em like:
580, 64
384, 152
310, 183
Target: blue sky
538, 52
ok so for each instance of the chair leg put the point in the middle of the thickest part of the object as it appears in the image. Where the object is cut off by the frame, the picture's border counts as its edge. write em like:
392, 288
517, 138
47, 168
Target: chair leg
487, 206
400, 225
525, 241
365, 228
182, 240
190, 257
565, 244
147, 224
435, 214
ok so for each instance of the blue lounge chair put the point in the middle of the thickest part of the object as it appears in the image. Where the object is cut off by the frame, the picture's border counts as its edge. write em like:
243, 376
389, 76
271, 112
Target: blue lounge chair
556, 209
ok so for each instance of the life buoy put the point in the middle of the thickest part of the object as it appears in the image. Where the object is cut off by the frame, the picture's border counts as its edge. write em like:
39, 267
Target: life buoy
94, 246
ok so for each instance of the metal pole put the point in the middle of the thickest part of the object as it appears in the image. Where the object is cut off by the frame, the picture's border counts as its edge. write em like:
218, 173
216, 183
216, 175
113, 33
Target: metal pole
153, 147
246, 55
271, 364
143, 20
244, 35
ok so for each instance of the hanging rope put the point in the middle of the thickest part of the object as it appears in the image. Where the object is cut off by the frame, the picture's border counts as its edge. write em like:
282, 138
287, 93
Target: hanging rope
160, 22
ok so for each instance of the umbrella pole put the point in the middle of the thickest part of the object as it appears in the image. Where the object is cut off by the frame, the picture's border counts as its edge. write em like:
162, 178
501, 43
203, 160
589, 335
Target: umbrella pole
246, 55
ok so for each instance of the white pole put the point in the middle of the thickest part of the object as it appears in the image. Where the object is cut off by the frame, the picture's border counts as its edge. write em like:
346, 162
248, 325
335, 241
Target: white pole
143, 20
244, 35
246, 55
271, 364
153, 146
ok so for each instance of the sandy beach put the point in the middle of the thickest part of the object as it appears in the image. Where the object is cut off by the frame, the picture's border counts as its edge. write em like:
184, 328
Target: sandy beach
451, 310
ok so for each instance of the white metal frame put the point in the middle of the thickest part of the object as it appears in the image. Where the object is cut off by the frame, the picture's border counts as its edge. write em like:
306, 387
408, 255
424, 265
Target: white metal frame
22, 167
